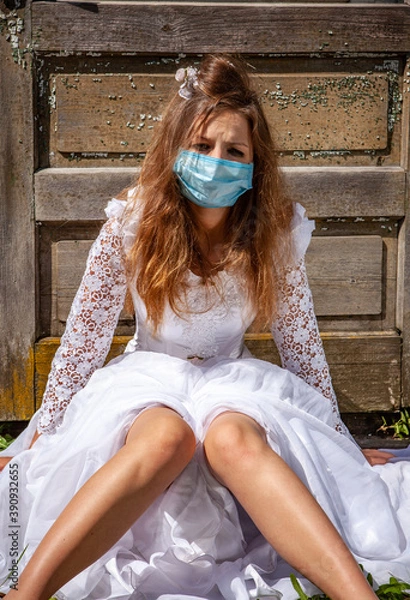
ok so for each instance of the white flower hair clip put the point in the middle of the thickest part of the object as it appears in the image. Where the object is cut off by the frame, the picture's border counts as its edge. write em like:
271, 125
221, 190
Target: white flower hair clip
188, 78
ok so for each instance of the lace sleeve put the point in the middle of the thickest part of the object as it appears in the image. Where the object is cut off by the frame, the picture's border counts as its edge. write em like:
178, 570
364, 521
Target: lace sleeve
297, 337
90, 325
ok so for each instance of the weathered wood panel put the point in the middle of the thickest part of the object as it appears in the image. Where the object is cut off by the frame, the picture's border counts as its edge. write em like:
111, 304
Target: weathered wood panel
82, 193
348, 192
44, 353
331, 79
327, 112
386, 320
108, 113
117, 113
68, 264
365, 369
404, 247
78, 194
171, 28
17, 256
345, 275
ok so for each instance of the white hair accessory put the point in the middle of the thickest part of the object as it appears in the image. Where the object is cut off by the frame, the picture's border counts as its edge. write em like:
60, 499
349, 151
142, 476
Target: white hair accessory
188, 78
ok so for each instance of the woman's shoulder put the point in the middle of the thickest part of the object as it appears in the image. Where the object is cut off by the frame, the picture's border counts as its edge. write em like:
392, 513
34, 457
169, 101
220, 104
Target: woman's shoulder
301, 231
116, 207
127, 213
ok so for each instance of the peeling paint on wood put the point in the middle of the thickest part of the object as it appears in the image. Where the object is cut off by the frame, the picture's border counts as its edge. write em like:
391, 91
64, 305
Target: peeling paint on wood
112, 113
12, 27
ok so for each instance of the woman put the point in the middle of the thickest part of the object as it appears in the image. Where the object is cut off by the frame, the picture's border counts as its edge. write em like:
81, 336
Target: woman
124, 492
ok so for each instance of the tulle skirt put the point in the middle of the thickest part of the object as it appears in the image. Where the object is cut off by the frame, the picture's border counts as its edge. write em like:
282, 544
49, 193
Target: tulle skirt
195, 542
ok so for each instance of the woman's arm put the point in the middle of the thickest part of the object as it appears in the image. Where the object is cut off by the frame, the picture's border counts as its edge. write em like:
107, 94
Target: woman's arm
297, 337
90, 325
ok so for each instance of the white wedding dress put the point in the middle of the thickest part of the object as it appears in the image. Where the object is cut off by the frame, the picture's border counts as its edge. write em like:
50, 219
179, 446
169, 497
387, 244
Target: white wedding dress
195, 542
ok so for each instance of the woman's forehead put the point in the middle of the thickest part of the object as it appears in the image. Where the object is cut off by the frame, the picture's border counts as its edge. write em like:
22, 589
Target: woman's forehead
228, 123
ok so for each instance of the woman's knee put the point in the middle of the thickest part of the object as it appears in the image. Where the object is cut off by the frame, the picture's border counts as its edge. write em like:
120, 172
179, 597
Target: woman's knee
164, 435
233, 440
175, 438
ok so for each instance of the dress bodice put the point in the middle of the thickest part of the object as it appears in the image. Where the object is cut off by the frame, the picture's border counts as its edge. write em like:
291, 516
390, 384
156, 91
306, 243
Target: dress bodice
214, 323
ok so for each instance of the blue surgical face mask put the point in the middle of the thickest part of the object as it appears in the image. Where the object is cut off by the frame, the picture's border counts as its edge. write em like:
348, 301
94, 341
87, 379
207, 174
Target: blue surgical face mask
212, 182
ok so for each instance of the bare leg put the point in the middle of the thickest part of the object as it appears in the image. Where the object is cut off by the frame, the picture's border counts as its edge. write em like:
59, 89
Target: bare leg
282, 507
158, 447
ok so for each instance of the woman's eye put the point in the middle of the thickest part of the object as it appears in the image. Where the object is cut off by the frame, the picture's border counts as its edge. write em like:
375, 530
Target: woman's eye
236, 152
200, 147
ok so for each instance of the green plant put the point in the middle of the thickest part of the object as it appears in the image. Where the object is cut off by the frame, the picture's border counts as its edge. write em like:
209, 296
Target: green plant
394, 590
302, 595
400, 428
5, 440
10, 575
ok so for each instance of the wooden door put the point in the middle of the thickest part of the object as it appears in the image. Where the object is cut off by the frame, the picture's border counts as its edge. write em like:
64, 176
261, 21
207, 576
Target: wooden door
335, 83
17, 227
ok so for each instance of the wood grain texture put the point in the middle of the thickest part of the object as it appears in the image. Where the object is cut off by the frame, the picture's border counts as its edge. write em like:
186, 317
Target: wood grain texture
68, 264
78, 194
345, 275
365, 369
403, 278
166, 28
348, 191
108, 114
17, 249
44, 354
82, 193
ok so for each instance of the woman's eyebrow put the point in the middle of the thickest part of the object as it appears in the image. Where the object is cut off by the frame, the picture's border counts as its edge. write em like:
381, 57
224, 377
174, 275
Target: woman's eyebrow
206, 139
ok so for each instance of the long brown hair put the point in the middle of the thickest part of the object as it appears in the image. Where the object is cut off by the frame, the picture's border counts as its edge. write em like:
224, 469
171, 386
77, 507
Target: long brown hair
257, 244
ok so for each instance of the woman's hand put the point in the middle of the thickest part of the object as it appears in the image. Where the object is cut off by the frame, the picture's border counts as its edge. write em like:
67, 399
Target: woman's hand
377, 457
4, 460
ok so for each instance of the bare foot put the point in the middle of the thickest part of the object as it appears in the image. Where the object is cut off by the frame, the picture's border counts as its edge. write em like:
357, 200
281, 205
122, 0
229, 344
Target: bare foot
377, 457
4, 460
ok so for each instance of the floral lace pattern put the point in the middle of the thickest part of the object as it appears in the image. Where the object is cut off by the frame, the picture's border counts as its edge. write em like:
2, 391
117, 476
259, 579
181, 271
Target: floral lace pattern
90, 325
210, 308
297, 337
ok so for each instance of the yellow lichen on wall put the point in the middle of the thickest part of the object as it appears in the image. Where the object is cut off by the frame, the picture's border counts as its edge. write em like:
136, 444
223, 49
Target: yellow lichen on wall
17, 398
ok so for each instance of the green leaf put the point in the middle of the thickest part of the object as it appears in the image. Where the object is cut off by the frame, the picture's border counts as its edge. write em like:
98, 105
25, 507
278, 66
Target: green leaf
11, 570
5, 441
394, 590
298, 587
